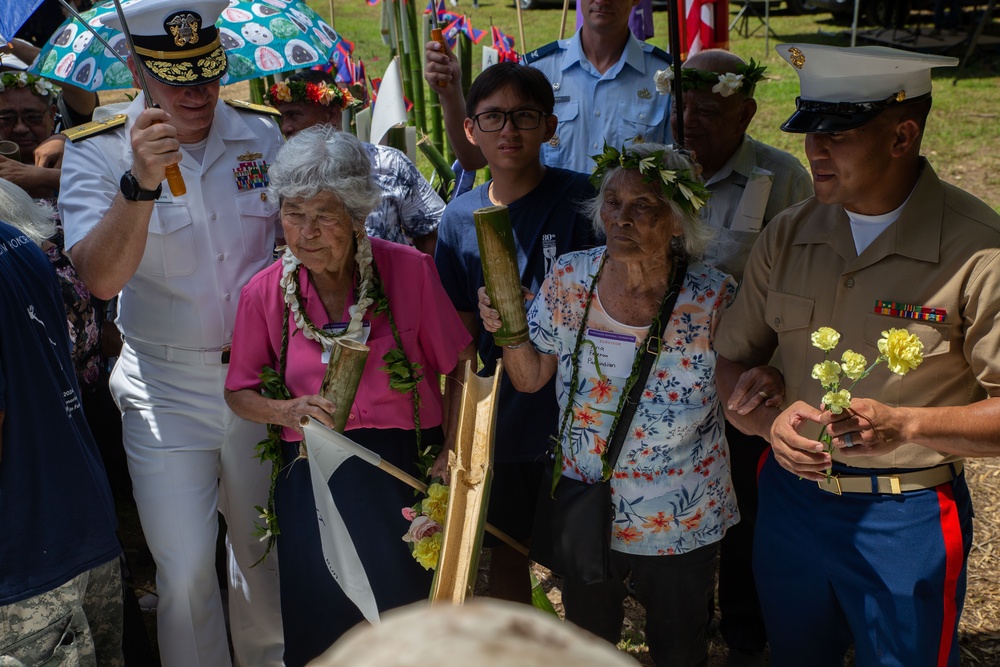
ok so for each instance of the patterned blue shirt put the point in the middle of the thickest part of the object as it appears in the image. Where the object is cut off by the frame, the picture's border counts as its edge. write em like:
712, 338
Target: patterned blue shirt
410, 208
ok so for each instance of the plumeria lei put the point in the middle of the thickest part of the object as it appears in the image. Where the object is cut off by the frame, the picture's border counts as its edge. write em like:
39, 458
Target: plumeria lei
898, 348
39, 86
679, 185
306, 91
744, 79
404, 376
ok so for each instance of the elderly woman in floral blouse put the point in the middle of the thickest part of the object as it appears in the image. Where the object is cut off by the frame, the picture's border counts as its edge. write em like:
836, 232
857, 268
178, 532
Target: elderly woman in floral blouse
671, 487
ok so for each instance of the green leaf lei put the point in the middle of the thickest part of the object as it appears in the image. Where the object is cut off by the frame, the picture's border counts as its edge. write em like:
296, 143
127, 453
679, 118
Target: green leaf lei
655, 328
404, 377
679, 185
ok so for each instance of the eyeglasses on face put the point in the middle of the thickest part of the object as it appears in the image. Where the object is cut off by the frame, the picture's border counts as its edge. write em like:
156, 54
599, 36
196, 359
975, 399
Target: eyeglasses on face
10, 118
523, 119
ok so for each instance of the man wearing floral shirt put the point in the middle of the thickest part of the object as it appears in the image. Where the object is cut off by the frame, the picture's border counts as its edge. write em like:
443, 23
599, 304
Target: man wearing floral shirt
866, 540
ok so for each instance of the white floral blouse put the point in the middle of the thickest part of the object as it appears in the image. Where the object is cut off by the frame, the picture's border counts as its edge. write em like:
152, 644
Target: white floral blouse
671, 486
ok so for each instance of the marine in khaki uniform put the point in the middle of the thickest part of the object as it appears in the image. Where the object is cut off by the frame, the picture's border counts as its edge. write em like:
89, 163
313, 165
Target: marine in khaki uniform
179, 262
876, 554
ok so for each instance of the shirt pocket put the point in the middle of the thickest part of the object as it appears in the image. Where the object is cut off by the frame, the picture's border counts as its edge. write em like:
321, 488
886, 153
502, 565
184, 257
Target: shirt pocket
789, 316
170, 247
562, 153
640, 122
935, 336
257, 214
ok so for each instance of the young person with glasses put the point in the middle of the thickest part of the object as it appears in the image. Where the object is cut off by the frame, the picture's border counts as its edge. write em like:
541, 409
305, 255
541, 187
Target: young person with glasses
509, 118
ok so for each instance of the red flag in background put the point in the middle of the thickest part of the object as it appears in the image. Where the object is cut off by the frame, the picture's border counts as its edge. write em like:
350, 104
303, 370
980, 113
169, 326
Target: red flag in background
705, 26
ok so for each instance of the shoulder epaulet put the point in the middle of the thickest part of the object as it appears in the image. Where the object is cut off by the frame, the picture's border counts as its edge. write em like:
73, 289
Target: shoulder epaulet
541, 52
92, 129
254, 108
657, 51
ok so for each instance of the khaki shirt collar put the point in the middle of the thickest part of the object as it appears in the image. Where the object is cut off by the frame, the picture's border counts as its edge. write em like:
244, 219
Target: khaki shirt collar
916, 234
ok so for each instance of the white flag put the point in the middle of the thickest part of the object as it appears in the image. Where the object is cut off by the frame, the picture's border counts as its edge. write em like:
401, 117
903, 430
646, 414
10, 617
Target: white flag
325, 456
390, 107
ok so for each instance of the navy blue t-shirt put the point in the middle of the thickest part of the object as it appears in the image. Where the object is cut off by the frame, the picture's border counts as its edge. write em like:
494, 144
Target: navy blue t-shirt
56, 512
547, 223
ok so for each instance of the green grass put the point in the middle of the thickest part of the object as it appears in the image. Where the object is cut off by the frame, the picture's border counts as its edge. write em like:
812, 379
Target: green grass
962, 139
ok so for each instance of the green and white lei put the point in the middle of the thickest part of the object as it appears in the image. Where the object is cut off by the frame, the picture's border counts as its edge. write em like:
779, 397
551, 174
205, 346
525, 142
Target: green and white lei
39, 86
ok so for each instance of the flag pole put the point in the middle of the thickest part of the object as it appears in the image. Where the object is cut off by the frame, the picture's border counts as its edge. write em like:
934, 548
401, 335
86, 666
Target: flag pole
674, 23
562, 22
520, 26
374, 459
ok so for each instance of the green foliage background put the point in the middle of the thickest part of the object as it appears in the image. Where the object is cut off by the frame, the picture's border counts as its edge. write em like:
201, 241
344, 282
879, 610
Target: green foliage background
963, 135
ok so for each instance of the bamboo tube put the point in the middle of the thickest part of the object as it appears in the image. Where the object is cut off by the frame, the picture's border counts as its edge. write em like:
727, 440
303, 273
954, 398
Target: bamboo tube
437, 160
471, 475
520, 26
402, 36
465, 59
343, 375
503, 279
416, 66
436, 126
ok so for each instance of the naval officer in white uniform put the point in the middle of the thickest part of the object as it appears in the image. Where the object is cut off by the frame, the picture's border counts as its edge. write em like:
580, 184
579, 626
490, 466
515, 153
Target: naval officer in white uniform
179, 262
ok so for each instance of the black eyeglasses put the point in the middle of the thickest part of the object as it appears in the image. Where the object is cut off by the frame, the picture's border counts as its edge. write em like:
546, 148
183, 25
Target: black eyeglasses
9, 119
523, 119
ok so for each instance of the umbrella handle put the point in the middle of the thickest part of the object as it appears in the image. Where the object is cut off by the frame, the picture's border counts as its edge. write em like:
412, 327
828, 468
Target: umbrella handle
176, 181
438, 37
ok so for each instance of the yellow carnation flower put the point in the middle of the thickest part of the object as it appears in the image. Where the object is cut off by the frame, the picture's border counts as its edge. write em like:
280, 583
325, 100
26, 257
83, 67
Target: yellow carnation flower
837, 401
427, 551
902, 350
435, 505
825, 338
854, 364
828, 373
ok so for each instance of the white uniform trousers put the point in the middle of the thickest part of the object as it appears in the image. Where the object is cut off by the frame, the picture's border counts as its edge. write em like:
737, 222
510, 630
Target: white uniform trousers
190, 456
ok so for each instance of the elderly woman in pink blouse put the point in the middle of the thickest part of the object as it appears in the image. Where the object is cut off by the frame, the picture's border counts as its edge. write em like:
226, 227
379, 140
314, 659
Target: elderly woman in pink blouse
334, 281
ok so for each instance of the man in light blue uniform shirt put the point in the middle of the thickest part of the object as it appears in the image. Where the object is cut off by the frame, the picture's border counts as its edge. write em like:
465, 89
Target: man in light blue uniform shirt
602, 79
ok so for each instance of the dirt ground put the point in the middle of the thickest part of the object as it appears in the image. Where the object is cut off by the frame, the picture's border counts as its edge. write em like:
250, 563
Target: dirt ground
979, 629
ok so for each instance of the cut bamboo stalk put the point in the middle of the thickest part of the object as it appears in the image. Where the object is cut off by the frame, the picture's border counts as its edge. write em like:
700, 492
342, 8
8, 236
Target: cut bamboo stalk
465, 60
416, 66
503, 279
402, 36
471, 474
343, 375
441, 166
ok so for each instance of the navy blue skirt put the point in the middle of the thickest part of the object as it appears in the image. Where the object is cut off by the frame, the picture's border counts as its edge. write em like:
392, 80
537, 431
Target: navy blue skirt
315, 612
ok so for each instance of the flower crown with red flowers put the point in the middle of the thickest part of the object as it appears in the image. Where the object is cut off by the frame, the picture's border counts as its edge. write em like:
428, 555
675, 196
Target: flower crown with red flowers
311, 93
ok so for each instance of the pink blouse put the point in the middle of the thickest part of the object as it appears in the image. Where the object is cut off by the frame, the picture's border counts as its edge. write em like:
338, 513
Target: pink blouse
431, 331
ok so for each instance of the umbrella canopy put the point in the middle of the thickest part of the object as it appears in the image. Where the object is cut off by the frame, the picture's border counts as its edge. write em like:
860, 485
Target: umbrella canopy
13, 16
260, 37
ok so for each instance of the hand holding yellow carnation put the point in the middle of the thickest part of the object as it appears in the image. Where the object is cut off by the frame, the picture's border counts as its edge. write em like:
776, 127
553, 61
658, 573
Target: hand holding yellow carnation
837, 401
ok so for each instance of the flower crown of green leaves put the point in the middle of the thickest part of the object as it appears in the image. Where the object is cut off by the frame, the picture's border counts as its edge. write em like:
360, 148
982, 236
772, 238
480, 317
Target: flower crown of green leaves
39, 86
744, 79
679, 185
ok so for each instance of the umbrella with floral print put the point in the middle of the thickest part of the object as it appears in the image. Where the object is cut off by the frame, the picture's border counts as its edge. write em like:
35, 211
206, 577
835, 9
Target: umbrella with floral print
260, 37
